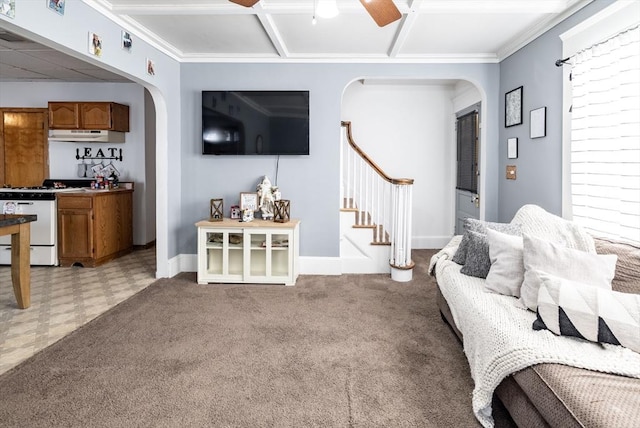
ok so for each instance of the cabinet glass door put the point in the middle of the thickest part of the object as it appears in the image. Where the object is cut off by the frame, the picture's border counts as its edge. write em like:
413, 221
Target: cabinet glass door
224, 253
280, 255
258, 254
215, 258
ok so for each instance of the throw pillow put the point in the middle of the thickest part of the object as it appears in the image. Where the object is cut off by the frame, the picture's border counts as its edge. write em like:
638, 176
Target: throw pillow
567, 308
507, 267
627, 279
480, 226
540, 255
478, 262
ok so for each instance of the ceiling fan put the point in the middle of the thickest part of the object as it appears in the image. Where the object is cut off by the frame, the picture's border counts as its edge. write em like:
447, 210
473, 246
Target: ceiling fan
383, 12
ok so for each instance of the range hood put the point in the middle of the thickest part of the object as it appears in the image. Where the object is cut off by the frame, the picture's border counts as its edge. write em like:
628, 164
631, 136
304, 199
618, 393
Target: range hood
86, 136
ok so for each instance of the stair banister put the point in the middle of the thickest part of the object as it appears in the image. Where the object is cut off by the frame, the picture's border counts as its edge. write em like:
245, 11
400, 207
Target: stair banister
382, 202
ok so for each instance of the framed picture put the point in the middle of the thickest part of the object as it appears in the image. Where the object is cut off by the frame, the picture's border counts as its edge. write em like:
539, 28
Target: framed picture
127, 41
8, 8
56, 6
95, 44
151, 67
513, 107
512, 148
248, 201
538, 123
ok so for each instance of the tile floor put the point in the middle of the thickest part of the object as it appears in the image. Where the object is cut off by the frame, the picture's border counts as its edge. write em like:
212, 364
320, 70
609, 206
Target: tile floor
63, 299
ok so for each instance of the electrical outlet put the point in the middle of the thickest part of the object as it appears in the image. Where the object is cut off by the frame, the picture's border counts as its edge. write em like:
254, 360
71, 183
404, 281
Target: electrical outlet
511, 172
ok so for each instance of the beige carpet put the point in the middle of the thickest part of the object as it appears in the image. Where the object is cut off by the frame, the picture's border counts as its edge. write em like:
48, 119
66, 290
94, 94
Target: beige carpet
333, 351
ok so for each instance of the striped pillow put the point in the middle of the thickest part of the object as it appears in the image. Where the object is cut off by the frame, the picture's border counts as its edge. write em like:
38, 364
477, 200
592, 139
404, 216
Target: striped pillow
569, 308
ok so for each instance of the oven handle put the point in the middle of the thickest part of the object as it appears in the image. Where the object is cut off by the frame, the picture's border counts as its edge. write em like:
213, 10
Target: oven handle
25, 203
9, 248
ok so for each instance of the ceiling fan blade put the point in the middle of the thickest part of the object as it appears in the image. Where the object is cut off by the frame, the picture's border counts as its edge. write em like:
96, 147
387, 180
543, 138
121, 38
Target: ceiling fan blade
245, 3
382, 11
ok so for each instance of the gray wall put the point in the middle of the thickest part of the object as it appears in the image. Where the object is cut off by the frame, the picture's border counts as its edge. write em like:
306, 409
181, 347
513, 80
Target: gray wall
310, 182
539, 163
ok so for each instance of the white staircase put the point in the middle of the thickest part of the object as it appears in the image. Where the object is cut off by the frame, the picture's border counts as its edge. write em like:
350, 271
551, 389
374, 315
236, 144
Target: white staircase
375, 219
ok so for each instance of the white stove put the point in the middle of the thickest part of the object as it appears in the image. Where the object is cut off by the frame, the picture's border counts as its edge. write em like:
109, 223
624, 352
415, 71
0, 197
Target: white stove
40, 201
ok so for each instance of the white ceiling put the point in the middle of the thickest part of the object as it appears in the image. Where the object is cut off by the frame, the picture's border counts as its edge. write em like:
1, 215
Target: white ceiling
282, 30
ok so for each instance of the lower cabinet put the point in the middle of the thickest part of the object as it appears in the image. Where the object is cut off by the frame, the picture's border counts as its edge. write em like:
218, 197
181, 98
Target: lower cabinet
253, 252
94, 227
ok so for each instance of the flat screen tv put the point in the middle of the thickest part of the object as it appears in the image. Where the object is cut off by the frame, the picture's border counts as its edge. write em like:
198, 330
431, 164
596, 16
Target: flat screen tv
255, 122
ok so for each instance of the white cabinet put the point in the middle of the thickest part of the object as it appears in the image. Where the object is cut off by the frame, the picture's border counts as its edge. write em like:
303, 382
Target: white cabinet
259, 251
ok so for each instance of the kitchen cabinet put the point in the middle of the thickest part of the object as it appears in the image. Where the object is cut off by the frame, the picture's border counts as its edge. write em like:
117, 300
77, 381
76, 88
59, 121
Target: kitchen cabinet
88, 115
24, 148
259, 251
94, 226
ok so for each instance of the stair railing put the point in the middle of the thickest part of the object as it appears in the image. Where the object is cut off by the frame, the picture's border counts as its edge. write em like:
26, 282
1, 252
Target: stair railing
380, 202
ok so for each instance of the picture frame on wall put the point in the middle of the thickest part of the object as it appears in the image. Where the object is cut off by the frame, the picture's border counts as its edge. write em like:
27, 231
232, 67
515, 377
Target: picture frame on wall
512, 148
248, 201
8, 8
513, 107
57, 6
538, 123
126, 41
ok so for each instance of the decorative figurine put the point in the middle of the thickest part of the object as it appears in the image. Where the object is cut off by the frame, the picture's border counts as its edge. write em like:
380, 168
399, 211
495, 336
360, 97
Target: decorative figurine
247, 215
265, 193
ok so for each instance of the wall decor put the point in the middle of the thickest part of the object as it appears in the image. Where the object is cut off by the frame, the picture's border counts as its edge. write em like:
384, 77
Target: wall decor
513, 107
512, 148
216, 212
248, 201
56, 6
8, 8
235, 212
95, 44
127, 41
151, 67
538, 123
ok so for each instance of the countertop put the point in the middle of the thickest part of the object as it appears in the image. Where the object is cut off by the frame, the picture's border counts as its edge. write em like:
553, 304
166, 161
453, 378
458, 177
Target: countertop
13, 219
85, 191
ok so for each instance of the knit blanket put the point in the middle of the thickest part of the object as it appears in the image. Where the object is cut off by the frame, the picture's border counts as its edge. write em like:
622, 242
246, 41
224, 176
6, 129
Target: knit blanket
499, 339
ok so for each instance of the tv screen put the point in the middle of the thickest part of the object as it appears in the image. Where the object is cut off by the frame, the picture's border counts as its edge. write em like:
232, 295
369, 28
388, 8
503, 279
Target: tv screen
255, 122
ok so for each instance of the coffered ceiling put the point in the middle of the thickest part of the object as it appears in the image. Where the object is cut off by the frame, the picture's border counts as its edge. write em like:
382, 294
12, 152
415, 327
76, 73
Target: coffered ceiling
282, 30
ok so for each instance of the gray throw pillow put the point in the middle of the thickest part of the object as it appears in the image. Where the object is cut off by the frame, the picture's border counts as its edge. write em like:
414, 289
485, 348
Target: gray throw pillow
478, 262
480, 226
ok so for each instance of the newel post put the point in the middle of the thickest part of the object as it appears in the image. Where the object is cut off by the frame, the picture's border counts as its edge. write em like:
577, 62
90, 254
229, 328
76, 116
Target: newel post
400, 259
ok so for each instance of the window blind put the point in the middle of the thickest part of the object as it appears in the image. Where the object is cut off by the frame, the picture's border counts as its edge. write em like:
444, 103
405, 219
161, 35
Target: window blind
605, 137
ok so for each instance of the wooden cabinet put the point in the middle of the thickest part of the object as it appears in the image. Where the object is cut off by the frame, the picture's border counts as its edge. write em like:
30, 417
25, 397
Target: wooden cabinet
259, 251
94, 226
24, 148
88, 115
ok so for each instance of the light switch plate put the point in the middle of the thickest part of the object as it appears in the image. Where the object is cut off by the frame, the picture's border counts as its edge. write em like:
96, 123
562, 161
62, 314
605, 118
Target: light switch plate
511, 172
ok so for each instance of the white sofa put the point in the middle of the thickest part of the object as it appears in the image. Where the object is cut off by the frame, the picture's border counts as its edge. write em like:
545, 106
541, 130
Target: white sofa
543, 379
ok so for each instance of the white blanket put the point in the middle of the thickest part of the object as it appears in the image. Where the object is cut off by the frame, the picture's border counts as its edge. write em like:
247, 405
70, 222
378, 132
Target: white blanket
499, 339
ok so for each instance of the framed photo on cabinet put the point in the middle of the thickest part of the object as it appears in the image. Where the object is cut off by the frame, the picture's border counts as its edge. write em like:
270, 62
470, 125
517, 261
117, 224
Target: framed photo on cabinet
248, 201
513, 107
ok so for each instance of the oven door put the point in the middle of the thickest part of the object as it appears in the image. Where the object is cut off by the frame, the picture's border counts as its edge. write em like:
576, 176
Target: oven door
43, 231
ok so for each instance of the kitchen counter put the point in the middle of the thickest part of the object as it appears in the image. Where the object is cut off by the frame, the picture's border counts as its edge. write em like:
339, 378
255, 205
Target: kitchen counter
18, 226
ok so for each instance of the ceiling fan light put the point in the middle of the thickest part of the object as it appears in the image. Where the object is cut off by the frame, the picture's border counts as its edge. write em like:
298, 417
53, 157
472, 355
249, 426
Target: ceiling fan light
327, 9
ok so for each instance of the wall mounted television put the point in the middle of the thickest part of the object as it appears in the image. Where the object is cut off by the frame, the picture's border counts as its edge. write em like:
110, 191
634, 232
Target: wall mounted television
255, 122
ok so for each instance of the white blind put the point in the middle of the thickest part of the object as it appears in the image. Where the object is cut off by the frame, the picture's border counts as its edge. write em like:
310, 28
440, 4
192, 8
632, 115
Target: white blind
605, 137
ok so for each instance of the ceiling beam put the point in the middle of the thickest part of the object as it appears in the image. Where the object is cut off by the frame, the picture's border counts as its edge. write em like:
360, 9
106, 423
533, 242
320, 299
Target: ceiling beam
272, 31
405, 27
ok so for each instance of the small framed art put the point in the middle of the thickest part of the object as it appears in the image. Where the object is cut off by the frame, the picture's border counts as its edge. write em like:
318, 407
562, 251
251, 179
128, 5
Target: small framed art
8, 8
95, 44
513, 107
512, 148
248, 201
127, 41
151, 67
538, 123
56, 6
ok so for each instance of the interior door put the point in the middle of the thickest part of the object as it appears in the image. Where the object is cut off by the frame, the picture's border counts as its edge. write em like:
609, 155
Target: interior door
467, 197
24, 148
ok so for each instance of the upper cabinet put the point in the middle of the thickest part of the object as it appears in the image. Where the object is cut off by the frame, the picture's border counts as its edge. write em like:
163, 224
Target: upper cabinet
88, 115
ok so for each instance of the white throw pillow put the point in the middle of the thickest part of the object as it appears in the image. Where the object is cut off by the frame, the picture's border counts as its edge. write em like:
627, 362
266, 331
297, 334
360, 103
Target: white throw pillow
507, 267
569, 308
540, 255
